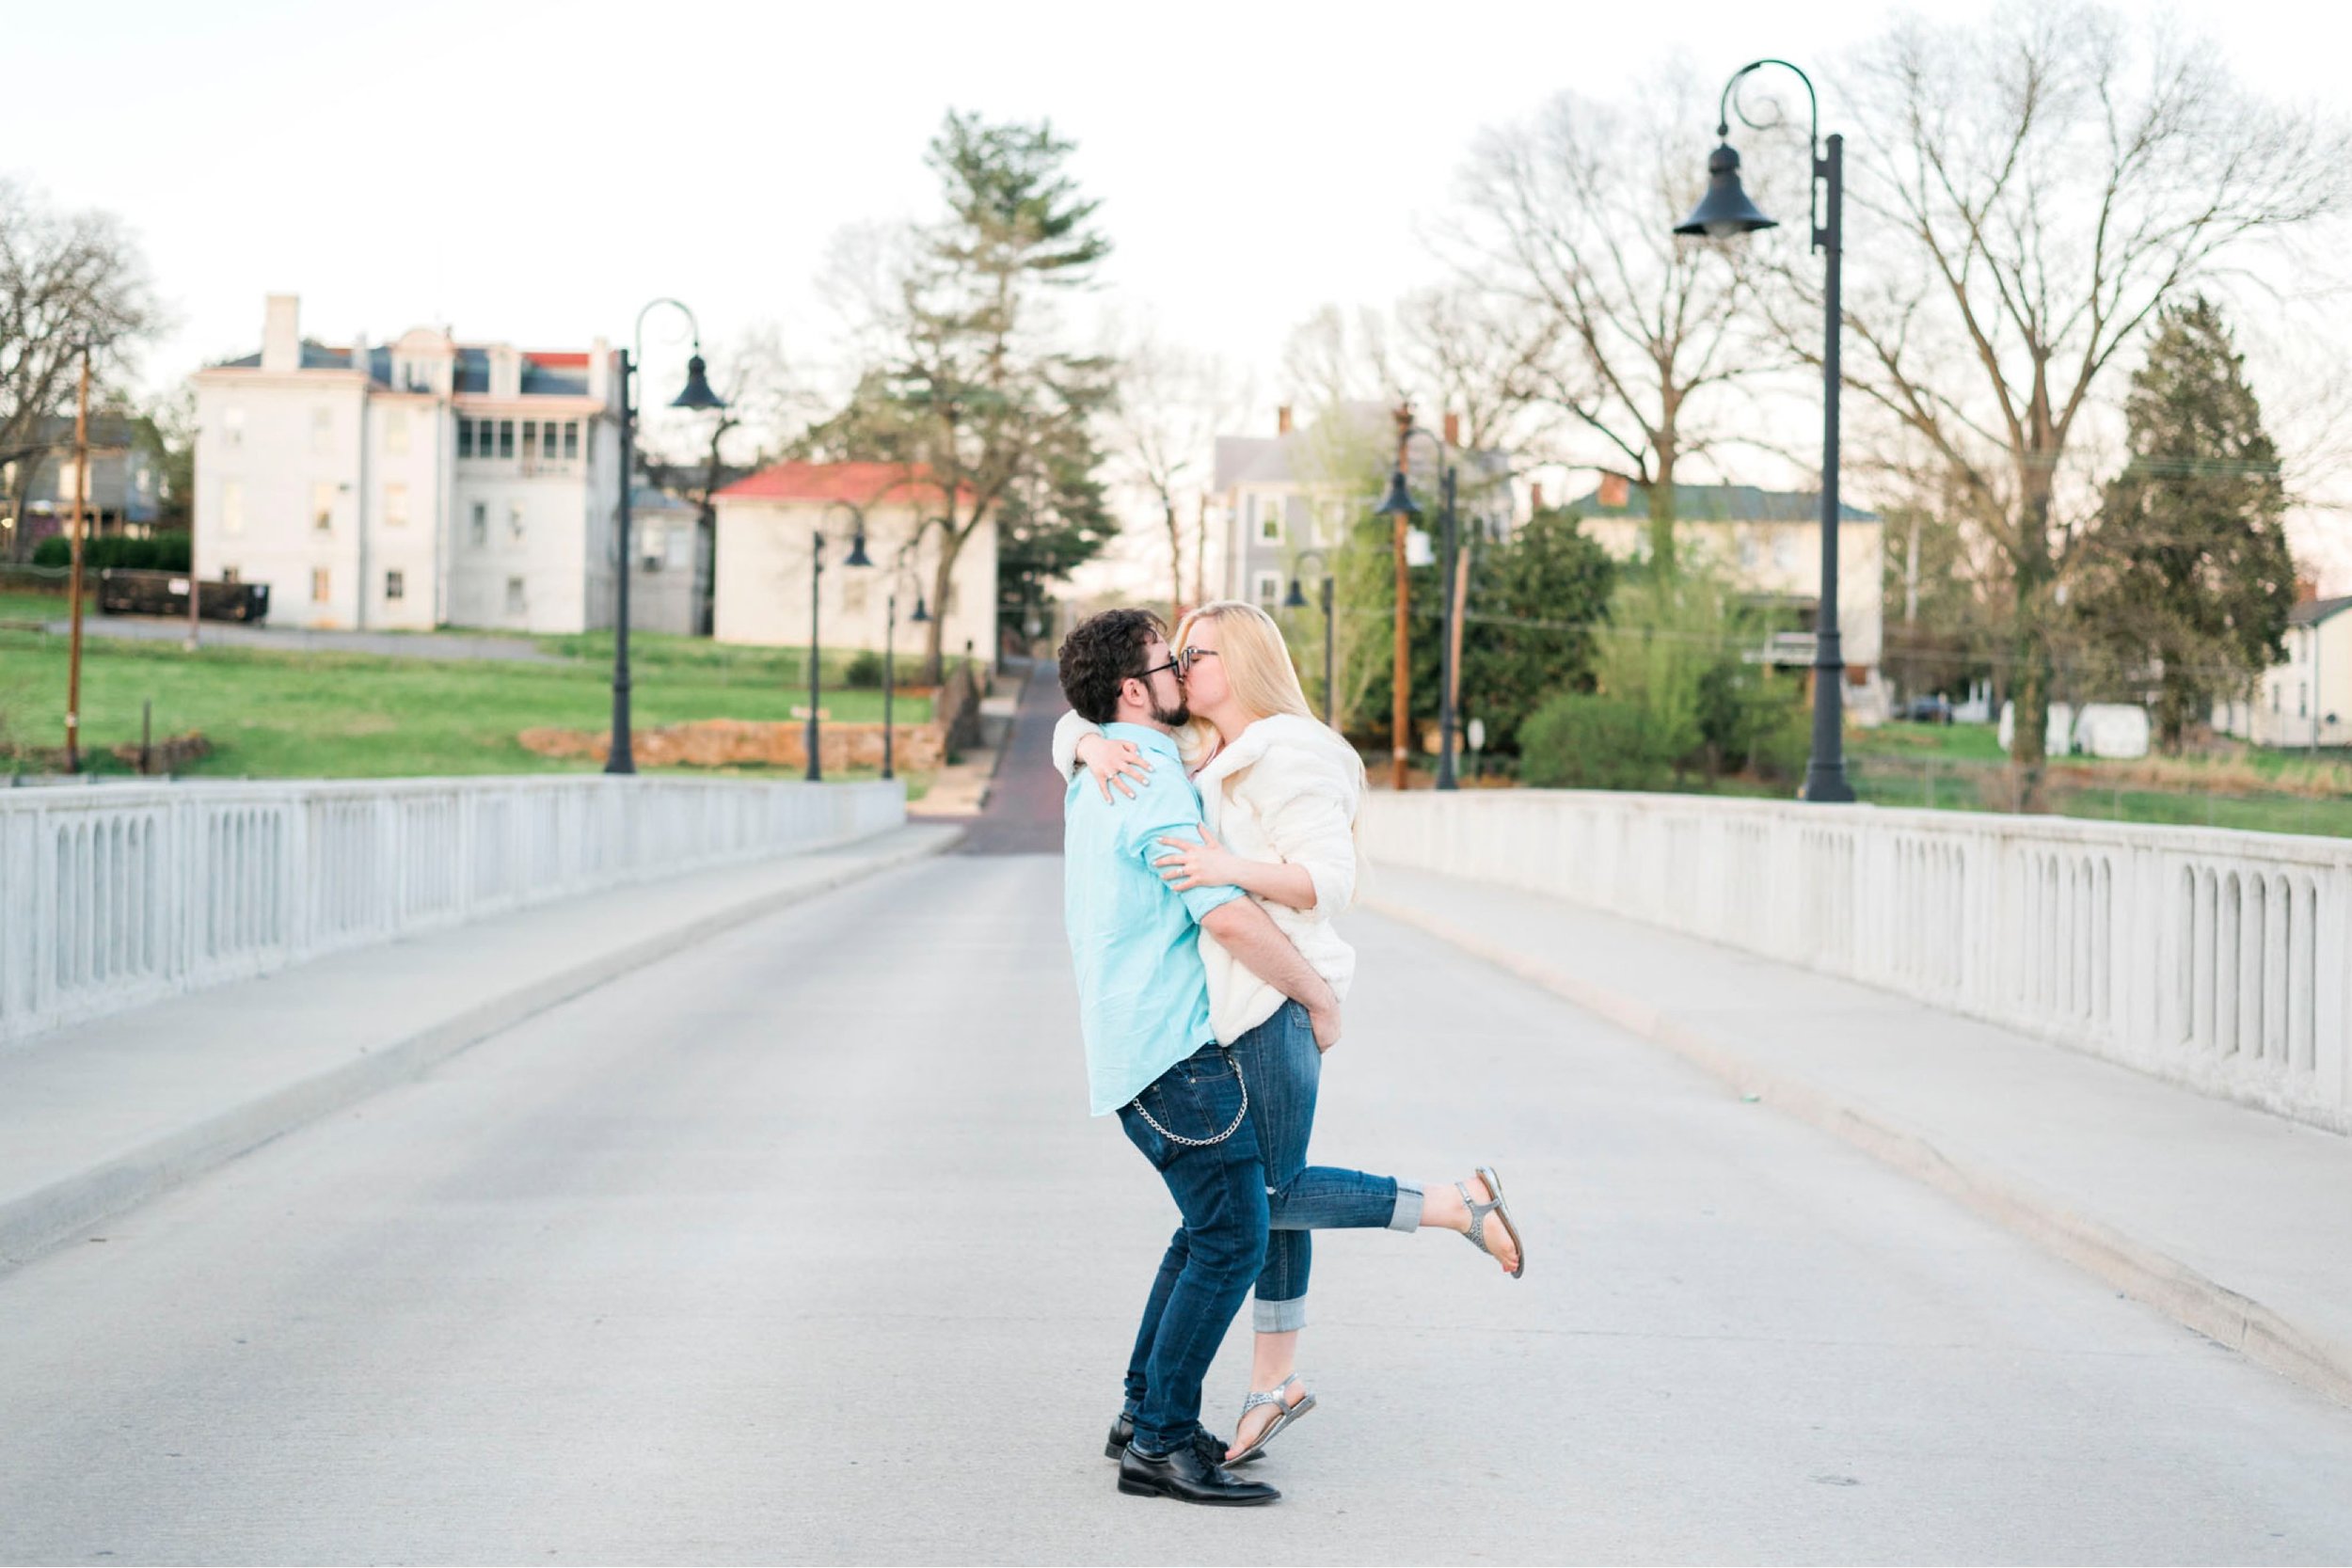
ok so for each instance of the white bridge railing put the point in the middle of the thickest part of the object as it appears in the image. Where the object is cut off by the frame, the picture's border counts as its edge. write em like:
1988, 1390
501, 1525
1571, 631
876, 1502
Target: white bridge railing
115, 895
2222, 960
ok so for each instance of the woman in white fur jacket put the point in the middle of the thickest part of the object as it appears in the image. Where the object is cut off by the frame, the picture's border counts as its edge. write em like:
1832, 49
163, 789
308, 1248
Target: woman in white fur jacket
1280, 794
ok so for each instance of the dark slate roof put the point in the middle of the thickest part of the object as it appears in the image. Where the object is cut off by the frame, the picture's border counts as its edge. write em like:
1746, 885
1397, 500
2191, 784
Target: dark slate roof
56, 432
2311, 612
546, 374
1724, 504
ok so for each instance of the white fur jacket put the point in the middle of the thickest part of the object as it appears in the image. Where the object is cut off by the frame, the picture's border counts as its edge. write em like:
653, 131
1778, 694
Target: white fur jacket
1287, 790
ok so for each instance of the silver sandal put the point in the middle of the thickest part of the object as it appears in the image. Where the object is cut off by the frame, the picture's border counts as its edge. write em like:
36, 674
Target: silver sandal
1288, 1414
1478, 1212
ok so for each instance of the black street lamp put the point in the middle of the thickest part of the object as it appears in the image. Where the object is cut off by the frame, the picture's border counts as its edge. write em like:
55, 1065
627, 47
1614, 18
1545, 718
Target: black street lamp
620, 756
857, 557
890, 640
1725, 211
1296, 600
1400, 505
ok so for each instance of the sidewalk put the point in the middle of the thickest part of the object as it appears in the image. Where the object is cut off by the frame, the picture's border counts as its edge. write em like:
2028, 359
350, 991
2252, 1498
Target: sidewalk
97, 1118
2233, 1222
961, 788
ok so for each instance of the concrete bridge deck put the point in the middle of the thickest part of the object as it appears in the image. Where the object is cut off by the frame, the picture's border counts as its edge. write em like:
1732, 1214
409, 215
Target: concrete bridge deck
794, 1243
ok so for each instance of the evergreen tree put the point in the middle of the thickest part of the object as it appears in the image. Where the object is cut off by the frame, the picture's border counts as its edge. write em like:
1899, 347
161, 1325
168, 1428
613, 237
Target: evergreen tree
974, 386
2187, 581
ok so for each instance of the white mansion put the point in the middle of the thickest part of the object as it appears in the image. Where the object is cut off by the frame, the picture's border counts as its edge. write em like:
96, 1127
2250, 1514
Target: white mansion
415, 483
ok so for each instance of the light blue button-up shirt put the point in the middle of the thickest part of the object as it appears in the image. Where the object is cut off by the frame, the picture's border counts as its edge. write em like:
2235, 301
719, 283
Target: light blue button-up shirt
1143, 998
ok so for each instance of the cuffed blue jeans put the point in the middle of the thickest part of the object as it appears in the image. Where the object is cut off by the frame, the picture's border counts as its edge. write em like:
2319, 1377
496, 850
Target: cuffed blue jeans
1284, 1070
1220, 1190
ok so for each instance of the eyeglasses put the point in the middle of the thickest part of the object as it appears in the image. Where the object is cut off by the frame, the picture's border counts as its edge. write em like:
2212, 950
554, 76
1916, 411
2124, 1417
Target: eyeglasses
1186, 658
1176, 664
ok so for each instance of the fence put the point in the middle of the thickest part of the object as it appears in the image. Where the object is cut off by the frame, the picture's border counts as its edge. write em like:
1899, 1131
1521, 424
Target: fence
115, 895
2218, 959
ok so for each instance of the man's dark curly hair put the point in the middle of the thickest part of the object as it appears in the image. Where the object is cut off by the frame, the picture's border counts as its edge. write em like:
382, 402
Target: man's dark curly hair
1102, 654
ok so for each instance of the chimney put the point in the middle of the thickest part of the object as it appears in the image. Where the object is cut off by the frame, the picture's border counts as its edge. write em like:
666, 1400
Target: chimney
1535, 496
359, 354
2306, 591
1454, 430
1282, 421
600, 369
282, 333
1613, 490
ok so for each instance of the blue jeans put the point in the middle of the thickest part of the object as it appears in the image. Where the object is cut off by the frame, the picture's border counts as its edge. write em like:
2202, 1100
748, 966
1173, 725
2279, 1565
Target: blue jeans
1220, 1190
1284, 1069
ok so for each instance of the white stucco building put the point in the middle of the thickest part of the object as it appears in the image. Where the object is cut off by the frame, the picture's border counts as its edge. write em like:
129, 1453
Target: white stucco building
2306, 699
767, 523
411, 484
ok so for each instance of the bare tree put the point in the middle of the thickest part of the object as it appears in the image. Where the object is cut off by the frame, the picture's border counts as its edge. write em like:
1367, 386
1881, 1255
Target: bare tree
2030, 191
66, 278
1571, 220
1171, 405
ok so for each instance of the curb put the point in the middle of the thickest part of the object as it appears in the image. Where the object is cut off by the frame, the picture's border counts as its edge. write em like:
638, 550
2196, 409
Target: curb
2135, 1267
45, 1216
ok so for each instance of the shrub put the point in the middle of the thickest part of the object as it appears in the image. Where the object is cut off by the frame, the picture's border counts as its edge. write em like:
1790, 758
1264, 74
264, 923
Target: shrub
166, 552
1580, 740
864, 669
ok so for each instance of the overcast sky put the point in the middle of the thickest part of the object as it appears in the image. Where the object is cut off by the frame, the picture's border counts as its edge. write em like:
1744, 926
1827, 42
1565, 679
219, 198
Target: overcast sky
532, 172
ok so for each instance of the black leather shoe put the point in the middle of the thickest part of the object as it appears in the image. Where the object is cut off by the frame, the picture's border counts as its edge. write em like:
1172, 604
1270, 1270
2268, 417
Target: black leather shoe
1184, 1475
1212, 1448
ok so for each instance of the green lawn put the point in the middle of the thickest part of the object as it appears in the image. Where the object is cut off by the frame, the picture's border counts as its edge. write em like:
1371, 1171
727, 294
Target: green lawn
1961, 767
314, 715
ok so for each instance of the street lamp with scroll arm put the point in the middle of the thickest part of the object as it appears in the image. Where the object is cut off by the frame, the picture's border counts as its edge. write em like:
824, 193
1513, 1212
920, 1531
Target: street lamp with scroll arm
1725, 211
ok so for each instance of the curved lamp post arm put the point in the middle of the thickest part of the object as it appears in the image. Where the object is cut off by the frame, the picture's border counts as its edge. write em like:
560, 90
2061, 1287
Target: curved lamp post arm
1731, 104
637, 339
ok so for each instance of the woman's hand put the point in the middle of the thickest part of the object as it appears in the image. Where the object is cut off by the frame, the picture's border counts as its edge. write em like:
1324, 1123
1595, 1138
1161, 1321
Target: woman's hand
1207, 864
1113, 762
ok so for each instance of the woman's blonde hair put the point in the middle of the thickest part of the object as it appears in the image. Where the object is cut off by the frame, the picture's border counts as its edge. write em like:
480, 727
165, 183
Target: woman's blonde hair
1258, 667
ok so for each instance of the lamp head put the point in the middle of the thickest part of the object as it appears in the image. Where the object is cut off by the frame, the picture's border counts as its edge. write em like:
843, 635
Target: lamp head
1724, 211
921, 615
857, 550
1399, 501
1295, 599
698, 394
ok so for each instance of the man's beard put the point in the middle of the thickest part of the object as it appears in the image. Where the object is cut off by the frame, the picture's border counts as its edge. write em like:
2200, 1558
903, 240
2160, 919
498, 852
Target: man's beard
1174, 718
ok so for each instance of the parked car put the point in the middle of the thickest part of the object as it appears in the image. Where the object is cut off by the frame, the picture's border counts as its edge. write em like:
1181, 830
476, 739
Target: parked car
1933, 709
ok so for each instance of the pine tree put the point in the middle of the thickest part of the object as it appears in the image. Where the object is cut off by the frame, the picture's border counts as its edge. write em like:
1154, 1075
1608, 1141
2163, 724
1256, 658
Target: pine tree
975, 385
2186, 578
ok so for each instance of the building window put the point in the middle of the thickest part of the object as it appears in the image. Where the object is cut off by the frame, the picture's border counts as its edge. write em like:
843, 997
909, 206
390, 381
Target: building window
465, 437
396, 432
232, 427
514, 595
395, 585
2302, 699
506, 437
318, 585
1269, 591
395, 504
571, 439
232, 506
515, 521
531, 440
322, 505
322, 429
478, 524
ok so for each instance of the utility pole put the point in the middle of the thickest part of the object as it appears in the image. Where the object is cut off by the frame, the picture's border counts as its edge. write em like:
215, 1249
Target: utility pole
81, 493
